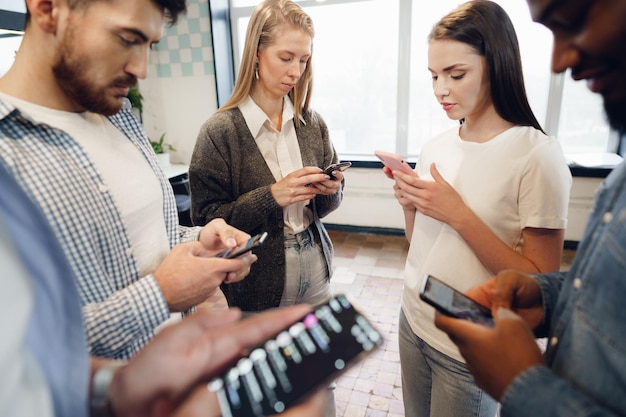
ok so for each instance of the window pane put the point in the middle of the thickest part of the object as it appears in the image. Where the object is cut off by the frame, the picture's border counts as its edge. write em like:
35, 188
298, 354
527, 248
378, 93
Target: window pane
8, 48
582, 125
355, 66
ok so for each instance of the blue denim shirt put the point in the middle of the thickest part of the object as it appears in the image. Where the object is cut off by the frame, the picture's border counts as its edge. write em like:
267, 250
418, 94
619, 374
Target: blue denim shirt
586, 312
55, 335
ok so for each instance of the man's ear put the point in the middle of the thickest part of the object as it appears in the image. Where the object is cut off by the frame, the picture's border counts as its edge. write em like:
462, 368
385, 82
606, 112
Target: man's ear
43, 14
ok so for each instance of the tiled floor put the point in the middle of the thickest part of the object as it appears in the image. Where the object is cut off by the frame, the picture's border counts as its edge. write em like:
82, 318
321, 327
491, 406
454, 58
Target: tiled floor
369, 269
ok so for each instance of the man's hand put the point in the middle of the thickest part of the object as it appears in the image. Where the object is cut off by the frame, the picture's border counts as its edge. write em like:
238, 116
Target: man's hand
513, 290
186, 355
189, 274
495, 356
218, 235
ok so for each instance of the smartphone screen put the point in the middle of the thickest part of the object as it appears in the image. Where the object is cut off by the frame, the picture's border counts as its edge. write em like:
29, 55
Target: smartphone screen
250, 244
309, 354
453, 303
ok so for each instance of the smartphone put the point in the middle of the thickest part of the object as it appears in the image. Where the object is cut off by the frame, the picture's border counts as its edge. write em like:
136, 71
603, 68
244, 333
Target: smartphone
287, 368
250, 244
453, 303
394, 162
341, 166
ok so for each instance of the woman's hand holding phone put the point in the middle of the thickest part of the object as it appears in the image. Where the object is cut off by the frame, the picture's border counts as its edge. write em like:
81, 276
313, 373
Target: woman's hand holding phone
394, 162
331, 169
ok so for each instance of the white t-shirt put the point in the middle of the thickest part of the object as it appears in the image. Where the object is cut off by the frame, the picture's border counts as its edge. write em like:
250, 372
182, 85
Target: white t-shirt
517, 179
125, 172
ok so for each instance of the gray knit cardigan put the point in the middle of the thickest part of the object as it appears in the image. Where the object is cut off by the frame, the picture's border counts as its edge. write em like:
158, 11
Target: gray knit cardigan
229, 178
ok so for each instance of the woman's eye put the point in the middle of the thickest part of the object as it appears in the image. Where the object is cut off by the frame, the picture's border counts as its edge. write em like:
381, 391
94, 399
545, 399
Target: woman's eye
457, 77
434, 77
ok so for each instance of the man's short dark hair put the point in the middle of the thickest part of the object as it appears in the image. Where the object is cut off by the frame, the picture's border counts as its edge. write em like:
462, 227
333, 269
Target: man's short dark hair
171, 8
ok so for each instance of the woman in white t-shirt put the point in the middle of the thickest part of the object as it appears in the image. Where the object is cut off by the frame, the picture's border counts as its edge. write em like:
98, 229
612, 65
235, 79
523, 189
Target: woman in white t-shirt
489, 195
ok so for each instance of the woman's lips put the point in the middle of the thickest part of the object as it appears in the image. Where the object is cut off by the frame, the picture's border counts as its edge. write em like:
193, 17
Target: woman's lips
447, 106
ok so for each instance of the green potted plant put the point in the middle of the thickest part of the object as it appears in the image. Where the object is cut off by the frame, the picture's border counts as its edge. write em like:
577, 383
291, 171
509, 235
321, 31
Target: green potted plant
162, 149
136, 102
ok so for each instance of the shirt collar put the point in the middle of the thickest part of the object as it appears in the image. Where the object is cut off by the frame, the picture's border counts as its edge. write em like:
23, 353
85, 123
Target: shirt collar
6, 109
255, 117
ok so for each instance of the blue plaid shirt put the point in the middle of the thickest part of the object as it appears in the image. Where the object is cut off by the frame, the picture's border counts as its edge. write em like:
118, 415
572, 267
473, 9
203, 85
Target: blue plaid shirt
120, 308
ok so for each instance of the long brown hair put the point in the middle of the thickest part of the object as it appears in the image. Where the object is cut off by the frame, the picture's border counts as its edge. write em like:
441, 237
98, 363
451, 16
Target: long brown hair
261, 34
487, 28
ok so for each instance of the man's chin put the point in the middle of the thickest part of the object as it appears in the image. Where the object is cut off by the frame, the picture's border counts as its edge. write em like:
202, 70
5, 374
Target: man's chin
105, 108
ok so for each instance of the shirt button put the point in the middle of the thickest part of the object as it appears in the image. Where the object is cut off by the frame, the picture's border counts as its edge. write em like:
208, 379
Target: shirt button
577, 283
103, 188
554, 341
607, 217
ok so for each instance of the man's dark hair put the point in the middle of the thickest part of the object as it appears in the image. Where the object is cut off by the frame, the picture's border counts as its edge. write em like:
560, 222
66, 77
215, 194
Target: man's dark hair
171, 8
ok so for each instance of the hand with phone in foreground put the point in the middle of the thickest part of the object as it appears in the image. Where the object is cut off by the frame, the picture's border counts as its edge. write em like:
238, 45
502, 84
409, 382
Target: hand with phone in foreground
169, 376
498, 355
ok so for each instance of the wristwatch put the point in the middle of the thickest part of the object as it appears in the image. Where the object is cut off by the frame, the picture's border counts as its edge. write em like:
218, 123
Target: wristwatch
99, 403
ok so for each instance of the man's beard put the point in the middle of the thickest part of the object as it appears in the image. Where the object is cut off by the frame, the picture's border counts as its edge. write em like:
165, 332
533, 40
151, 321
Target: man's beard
616, 115
71, 71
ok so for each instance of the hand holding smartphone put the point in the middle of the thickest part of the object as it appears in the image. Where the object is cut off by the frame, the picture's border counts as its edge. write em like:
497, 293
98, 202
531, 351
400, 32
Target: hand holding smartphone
341, 166
453, 303
250, 244
394, 162
307, 355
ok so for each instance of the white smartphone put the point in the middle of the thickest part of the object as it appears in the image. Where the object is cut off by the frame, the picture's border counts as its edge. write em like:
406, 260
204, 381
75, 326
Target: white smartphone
394, 161
453, 303
287, 368
250, 244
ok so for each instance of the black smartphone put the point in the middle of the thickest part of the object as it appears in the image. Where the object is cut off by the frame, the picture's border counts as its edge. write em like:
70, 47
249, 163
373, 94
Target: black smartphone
309, 354
341, 166
250, 244
453, 303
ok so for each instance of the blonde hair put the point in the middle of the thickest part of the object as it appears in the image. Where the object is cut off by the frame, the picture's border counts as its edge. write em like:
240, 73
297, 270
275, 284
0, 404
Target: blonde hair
260, 34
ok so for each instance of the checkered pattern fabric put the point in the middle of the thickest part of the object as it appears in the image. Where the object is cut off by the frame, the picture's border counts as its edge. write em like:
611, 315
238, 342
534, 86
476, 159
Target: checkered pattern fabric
185, 49
120, 308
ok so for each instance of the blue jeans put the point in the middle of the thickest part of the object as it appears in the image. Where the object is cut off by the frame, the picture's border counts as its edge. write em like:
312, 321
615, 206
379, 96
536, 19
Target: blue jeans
307, 281
306, 271
434, 384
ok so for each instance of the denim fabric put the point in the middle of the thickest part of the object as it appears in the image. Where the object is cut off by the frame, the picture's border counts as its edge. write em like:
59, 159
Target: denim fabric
585, 309
306, 278
434, 384
55, 334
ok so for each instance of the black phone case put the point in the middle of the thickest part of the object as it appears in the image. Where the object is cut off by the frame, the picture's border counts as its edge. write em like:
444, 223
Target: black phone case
461, 306
252, 243
307, 355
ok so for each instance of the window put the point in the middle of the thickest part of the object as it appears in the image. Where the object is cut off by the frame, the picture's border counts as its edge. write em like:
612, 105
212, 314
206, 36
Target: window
8, 47
373, 88
582, 123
